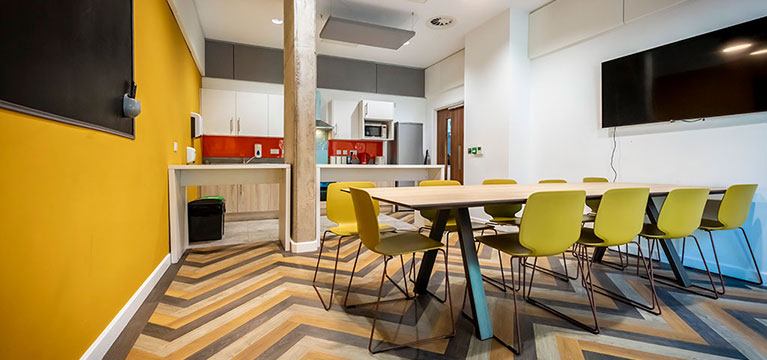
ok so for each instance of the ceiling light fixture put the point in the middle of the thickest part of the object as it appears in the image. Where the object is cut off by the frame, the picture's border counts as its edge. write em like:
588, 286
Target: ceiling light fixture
759, 52
737, 47
277, 21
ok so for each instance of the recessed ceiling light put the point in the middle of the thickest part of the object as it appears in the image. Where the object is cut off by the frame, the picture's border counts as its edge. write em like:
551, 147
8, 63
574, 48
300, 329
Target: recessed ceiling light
408, 43
759, 52
277, 21
737, 47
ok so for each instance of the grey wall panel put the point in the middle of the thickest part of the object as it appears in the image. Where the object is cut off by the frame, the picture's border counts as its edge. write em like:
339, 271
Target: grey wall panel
219, 59
345, 74
253, 63
397, 80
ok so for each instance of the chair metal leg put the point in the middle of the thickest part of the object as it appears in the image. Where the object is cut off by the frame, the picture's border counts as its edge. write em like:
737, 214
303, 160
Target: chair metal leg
417, 342
671, 281
589, 292
564, 277
758, 274
327, 305
351, 277
716, 259
653, 308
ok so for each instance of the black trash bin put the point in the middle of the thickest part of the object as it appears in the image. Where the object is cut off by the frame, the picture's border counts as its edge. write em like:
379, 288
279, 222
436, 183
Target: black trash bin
206, 219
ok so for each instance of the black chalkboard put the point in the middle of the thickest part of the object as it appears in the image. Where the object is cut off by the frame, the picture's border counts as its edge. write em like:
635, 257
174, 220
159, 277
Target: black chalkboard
69, 61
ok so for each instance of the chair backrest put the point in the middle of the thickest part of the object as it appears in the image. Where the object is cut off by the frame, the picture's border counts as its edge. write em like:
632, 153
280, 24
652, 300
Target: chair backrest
552, 181
551, 222
502, 210
682, 211
736, 205
595, 179
340, 208
432, 214
621, 215
367, 221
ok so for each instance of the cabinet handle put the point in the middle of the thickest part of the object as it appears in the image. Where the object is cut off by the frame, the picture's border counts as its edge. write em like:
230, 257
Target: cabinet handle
238, 125
231, 124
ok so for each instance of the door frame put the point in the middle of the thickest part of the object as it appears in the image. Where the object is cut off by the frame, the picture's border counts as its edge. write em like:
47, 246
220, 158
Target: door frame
457, 147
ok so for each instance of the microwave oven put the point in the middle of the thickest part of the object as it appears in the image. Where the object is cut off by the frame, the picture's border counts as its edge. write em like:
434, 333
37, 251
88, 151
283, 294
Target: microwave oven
375, 130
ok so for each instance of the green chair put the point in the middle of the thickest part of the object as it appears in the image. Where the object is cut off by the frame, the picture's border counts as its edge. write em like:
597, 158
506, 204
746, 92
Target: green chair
551, 224
619, 220
594, 203
388, 247
679, 217
552, 181
733, 213
340, 210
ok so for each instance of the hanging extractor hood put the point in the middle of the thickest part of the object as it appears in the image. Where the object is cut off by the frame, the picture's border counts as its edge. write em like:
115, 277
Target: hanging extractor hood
321, 125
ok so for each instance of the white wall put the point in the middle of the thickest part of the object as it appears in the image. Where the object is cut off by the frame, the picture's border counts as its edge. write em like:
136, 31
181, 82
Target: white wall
568, 142
443, 89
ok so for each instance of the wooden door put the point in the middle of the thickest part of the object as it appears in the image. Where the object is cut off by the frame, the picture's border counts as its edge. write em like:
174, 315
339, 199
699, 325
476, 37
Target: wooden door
450, 142
218, 107
252, 114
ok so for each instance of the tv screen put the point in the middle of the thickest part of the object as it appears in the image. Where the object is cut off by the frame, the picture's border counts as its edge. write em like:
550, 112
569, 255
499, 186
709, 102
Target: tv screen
723, 72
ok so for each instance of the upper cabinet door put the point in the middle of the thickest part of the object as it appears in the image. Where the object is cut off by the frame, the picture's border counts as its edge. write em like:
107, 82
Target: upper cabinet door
218, 108
252, 114
276, 116
377, 110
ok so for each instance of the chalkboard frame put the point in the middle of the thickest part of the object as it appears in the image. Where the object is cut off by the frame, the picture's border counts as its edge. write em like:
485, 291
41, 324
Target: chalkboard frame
84, 124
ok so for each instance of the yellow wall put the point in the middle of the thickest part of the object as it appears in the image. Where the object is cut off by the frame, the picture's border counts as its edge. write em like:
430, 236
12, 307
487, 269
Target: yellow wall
84, 216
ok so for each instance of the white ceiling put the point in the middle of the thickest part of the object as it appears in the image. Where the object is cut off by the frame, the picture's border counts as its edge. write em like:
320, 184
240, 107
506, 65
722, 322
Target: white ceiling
249, 22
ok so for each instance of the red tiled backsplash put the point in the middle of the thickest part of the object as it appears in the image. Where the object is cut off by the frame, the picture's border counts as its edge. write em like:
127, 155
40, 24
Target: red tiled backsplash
373, 148
240, 146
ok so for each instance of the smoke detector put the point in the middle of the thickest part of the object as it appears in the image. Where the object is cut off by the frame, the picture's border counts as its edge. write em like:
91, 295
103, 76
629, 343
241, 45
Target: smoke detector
441, 22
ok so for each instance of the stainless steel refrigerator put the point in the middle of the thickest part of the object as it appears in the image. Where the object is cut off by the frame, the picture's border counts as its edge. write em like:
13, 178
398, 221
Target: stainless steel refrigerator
407, 146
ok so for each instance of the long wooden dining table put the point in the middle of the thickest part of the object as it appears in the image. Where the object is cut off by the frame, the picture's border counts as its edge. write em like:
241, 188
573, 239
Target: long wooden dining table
458, 200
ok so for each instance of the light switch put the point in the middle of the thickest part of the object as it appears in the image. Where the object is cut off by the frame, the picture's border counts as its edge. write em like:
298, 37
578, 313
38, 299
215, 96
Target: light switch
175, 146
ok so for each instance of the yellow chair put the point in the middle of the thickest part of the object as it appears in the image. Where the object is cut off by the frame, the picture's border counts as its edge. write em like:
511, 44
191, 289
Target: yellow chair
733, 213
679, 217
502, 214
551, 224
397, 244
340, 210
619, 220
552, 181
594, 203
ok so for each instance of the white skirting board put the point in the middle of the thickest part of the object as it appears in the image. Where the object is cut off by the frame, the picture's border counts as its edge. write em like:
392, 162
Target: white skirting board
304, 247
99, 348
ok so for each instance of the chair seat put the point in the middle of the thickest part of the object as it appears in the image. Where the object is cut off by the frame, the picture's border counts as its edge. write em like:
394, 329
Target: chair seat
589, 238
508, 243
451, 226
710, 224
406, 242
351, 229
501, 220
652, 231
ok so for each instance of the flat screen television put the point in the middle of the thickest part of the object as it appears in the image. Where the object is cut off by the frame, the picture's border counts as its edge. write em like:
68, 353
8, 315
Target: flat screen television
723, 72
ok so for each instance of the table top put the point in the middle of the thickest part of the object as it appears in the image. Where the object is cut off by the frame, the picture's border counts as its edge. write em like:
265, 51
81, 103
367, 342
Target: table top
479, 195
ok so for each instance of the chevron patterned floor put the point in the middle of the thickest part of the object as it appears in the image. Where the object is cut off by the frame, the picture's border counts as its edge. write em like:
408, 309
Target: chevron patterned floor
256, 302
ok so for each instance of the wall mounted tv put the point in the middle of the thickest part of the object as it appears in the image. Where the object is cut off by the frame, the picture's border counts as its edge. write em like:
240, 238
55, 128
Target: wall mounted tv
723, 72
69, 61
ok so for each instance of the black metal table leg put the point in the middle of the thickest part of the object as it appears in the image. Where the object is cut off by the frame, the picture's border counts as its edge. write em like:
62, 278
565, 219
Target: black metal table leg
428, 258
478, 303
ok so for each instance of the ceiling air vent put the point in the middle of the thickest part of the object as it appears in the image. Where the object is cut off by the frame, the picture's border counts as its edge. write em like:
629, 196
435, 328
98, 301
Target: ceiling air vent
441, 22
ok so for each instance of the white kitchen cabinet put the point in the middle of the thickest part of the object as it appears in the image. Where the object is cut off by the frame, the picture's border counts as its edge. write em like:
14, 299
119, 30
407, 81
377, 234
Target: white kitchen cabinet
341, 114
377, 110
218, 112
252, 114
276, 116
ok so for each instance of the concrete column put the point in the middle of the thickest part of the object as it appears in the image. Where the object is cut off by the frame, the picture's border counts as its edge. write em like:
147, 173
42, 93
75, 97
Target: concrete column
300, 84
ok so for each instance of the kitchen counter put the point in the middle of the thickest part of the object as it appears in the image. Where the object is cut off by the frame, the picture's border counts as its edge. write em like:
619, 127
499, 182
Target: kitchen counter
181, 176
